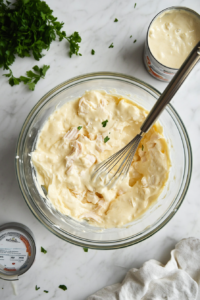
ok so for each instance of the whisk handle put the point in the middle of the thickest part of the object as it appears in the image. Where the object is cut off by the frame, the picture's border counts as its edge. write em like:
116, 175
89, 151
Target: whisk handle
172, 88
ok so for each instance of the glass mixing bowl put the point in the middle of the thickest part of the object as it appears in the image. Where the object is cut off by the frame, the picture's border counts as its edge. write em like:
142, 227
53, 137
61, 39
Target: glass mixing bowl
81, 233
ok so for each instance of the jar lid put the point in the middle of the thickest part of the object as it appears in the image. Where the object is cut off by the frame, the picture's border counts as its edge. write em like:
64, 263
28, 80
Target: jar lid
17, 250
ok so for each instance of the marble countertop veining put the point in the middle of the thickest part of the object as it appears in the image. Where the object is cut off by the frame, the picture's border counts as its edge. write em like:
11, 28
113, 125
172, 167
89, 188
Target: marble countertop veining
84, 273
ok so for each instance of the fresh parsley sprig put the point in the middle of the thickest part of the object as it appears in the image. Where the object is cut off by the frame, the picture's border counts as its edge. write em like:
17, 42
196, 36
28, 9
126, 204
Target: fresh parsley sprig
31, 79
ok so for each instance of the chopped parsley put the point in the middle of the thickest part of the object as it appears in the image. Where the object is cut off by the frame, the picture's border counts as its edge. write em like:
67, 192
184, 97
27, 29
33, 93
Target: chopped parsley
115, 20
63, 287
37, 288
135, 5
43, 250
130, 36
106, 139
46, 291
85, 249
135, 41
32, 77
111, 46
92, 52
79, 127
27, 28
104, 123
142, 147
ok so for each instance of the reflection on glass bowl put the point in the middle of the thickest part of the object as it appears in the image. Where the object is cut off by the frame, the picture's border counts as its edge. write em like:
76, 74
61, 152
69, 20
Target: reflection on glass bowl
83, 234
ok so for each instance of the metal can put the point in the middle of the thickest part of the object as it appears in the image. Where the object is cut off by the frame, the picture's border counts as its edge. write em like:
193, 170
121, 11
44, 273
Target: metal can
153, 66
17, 250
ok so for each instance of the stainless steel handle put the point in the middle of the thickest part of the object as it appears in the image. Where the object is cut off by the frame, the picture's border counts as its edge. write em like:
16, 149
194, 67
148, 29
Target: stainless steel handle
172, 88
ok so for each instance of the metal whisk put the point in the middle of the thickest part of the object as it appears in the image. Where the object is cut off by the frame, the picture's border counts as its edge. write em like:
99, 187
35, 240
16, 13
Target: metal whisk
122, 159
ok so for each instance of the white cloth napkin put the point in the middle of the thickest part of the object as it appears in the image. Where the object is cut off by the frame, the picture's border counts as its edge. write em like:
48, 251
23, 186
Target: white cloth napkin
179, 279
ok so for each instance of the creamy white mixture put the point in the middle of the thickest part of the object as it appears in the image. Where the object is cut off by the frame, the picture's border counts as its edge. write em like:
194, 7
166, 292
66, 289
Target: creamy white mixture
74, 139
173, 35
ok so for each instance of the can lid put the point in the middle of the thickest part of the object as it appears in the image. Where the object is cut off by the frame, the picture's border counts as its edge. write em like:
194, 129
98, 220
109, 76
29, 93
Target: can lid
17, 250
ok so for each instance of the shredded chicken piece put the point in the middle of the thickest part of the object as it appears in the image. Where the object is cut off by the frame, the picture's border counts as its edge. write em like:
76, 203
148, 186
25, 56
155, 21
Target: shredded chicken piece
76, 152
99, 143
85, 106
72, 134
91, 159
92, 197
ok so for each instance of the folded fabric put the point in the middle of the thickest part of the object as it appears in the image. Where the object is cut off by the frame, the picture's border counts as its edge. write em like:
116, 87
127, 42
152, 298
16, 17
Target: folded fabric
179, 279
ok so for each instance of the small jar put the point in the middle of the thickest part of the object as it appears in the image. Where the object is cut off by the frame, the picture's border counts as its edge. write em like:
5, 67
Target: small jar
153, 66
17, 250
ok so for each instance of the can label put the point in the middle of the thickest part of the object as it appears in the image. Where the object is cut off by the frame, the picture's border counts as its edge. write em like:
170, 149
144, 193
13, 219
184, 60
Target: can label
15, 250
154, 68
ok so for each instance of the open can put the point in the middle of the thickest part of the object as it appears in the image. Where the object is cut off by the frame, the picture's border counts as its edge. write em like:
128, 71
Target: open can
153, 66
17, 250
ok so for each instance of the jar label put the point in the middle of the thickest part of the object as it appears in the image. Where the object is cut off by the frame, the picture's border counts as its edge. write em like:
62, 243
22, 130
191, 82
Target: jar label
14, 251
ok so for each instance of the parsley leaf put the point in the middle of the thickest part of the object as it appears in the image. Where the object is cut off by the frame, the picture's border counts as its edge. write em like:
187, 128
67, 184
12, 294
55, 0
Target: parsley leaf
46, 291
135, 41
37, 288
63, 287
79, 127
85, 249
43, 250
104, 123
106, 139
115, 20
92, 52
111, 46
142, 147
135, 5
130, 36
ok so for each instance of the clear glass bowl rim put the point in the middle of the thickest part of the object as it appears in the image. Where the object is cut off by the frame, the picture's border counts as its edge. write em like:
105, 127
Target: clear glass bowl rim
46, 222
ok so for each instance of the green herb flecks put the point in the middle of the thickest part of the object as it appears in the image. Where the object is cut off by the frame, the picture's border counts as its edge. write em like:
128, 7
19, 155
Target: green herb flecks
115, 20
111, 46
79, 127
46, 291
142, 147
63, 287
135, 41
31, 79
106, 139
43, 250
37, 288
85, 249
135, 5
104, 123
92, 52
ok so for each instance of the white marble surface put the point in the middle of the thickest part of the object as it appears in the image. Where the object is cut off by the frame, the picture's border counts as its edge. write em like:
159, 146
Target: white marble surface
83, 273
